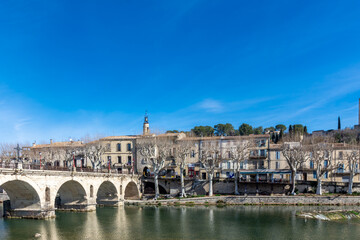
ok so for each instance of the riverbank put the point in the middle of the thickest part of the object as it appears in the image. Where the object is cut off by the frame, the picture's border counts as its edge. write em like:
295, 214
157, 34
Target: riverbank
338, 200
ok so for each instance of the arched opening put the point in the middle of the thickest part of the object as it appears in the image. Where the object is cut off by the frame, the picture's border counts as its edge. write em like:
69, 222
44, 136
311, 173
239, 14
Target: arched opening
47, 194
22, 197
131, 192
107, 194
91, 191
146, 172
149, 188
71, 195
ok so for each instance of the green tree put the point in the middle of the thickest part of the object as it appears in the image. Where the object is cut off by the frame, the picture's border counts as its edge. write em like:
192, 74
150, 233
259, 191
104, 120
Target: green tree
224, 130
298, 129
269, 129
305, 130
280, 127
203, 131
258, 130
245, 129
172, 131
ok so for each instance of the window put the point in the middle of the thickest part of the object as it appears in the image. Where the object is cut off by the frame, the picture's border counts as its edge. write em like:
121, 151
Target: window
119, 159
109, 159
312, 164
341, 168
277, 165
118, 147
241, 165
261, 164
277, 155
262, 153
326, 162
228, 165
314, 174
341, 155
326, 175
129, 160
203, 175
129, 147
192, 153
217, 175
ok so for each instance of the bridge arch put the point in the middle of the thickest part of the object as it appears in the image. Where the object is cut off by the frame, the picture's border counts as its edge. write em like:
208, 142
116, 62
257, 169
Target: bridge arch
131, 191
107, 194
23, 194
71, 195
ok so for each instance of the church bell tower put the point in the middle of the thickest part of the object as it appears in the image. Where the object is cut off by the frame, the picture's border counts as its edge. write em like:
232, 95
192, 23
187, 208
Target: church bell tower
146, 129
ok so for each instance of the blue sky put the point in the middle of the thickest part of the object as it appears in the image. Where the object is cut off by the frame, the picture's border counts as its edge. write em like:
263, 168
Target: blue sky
76, 68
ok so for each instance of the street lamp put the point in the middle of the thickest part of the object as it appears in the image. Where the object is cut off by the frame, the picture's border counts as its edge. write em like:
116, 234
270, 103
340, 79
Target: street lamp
74, 167
40, 159
109, 163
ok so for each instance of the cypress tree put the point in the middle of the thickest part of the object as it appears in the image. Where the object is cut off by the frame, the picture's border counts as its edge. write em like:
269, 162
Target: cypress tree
281, 134
305, 130
339, 123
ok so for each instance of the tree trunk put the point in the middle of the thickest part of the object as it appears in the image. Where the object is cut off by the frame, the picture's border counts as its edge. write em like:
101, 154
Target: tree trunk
210, 184
236, 181
157, 194
183, 193
318, 189
293, 180
351, 180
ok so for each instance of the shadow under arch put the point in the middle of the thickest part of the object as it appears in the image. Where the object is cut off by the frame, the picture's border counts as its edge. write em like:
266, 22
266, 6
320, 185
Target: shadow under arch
71, 195
107, 194
131, 191
23, 195
149, 188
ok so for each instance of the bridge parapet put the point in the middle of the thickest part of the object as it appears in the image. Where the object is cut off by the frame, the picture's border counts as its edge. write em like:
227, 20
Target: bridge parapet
38, 193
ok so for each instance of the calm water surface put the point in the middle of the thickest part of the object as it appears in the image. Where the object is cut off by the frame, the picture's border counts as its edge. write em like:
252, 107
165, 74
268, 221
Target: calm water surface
242, 222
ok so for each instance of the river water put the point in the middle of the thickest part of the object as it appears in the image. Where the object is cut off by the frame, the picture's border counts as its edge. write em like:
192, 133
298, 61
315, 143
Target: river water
131, 222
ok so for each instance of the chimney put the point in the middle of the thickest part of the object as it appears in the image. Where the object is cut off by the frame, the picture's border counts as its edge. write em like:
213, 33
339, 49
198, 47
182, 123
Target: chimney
51, 141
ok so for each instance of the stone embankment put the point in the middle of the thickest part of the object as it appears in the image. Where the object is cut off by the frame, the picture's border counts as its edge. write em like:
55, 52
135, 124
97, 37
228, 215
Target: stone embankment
255, 200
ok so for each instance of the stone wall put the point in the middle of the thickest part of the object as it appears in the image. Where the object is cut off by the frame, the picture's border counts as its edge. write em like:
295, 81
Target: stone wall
253, 188
261, 200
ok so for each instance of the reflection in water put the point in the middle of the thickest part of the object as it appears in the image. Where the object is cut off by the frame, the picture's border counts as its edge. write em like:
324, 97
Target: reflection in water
245, 222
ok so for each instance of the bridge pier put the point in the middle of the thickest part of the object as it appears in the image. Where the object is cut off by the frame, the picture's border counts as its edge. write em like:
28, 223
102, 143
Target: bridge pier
73, 207
29, 213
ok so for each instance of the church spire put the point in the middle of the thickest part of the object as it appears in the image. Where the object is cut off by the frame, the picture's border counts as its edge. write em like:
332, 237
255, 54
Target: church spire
146, 128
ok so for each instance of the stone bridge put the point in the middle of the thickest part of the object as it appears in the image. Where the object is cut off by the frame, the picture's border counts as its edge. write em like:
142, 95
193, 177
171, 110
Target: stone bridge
38, 193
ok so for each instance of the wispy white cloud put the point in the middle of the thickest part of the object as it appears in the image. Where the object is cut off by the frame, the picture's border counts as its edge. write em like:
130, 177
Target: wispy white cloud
211, 105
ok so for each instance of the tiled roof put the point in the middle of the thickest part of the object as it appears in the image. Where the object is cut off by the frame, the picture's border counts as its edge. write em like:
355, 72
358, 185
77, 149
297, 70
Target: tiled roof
227, 137
60, 144
119, 137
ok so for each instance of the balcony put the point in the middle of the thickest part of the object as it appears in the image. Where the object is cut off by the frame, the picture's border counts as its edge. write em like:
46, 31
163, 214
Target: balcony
256, 155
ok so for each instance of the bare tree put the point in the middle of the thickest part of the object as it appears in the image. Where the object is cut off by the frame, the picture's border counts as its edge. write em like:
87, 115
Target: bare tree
210, 158
321, 154
94, 151
295, 156
353, 161
239, 154
7, 152
156, 152
182, 154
